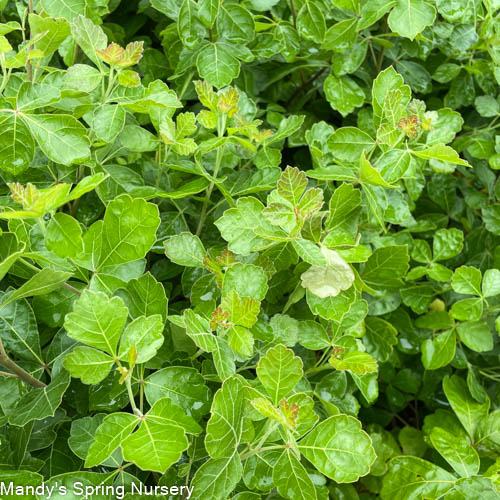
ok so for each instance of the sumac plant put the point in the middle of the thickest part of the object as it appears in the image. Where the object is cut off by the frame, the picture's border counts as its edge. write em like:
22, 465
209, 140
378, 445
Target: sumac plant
250, 249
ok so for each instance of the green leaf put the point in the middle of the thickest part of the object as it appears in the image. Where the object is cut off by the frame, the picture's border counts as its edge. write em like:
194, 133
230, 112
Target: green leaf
243, 225
339, 449
291, 478
184, 386
467, 279
411, 17
469, 412
442, 153
16, 145
447, 243
439, 351
379, 339
226, 427
235, 23
97, 321
64, 236
144, 296
185, 249
19, 331
385, 267
356, 362
160, 440
467, 309
108, 121
69, 9
343, 94
89, 37
348, 143
476, 335
370, 175
129, 230
240, 311
279, 372
311, 22
61, 137
146, 334
246, 280
491, 283
457, 452
40, 403
341, 35
45, 281
88, 364
328, 280
108, 436
412, 477
217, 478
54, 31
217, 65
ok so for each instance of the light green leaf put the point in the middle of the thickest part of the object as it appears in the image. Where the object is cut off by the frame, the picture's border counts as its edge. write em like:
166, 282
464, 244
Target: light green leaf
330, 280
412, 477
89, 37
348, 143
144, 296
198, 329
108, 436
467, 279
476, 335
88, 364
339, 449
438, 351
161, 438
41, 403
411, 17
64, 236
246, 280
97, 320
491, 283
442, 153
226, 427
447, 243
146, 334
61, 137
69, 9
309, 252
469, 412
45, 281
217, 478
129, 230
54, 31
185, 249
108, 121
279, 371
291, 478
370, 175
16, 144
457, 452
467, 309
355, 362
217, 65
243, 225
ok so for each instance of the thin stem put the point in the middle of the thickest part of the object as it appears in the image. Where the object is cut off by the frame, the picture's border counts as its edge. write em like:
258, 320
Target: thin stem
260, 450
128, 383
6, 362
29, 69
71, 288
141, 389
210, 188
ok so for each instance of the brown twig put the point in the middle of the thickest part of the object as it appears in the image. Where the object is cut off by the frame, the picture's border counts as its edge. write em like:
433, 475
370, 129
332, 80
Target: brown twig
6, 362
298, 90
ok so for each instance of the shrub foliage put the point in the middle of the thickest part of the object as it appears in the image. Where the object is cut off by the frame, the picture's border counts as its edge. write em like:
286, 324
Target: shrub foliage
251, 247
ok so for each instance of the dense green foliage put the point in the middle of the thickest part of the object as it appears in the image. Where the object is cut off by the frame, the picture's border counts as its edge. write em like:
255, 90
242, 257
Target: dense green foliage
251, 247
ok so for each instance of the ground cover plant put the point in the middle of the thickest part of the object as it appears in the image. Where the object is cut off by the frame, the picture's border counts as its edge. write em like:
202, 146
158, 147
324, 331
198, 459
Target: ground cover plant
250, 248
